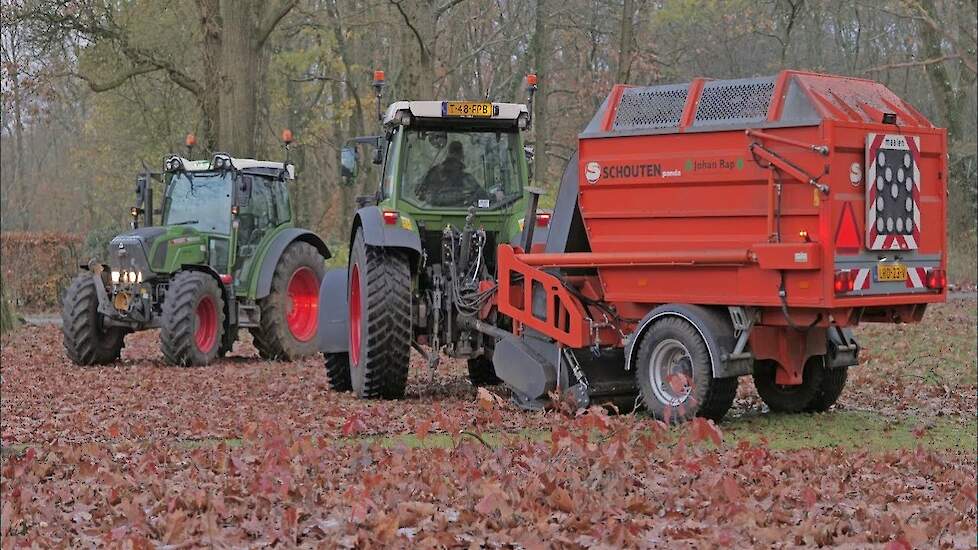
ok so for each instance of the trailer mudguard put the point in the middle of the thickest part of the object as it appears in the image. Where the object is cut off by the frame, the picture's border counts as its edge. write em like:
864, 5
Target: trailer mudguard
334, 312
714, 327
275, 250
378, 233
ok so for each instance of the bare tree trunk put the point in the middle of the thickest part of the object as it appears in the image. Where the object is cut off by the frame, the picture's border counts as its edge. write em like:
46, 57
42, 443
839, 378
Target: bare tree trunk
626, 44
210, 101
541, 54
238, 87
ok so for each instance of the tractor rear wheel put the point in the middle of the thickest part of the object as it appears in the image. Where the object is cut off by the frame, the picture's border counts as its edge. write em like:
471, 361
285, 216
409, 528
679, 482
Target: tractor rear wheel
828, 393
338, 371
290, 312
675, 374
789, 399
482, 372
193, 319
380, 320
86, 340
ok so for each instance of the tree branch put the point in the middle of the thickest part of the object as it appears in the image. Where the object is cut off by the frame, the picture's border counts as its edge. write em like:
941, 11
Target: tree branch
105, 86
407, 21
271, 17
904, 65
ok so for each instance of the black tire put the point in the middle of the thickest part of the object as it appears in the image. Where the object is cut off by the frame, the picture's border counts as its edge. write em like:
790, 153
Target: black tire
833, 381
382, 277
482, 372
276, 338
708, 397
85, 339
338, 371
190, 332
789, 399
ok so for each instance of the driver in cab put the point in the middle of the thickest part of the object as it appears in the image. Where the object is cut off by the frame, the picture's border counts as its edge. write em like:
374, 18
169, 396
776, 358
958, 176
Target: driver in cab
448, 183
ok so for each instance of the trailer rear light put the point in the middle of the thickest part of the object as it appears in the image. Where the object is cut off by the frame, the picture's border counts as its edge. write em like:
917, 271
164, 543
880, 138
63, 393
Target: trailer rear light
390, 217
543, 219
936, 279
845, 281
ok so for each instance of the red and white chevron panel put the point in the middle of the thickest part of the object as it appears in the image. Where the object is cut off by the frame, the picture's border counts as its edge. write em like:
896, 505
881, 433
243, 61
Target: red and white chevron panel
864, 278
917, 277
892, 191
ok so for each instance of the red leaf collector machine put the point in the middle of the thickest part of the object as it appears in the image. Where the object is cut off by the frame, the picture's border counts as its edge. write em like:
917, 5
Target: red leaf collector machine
721, 228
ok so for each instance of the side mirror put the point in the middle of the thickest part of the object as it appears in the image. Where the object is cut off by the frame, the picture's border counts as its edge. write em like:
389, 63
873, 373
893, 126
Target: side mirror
242, 191
141, 184
348, 165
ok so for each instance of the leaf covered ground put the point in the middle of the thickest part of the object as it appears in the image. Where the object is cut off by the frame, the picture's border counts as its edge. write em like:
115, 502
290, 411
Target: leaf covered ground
254, 453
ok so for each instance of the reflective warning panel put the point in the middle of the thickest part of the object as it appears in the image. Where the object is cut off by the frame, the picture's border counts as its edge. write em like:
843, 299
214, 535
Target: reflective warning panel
892, 191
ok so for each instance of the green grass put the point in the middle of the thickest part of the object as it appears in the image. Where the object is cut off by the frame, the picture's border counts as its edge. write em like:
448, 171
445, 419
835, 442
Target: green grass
848, 429
852, 430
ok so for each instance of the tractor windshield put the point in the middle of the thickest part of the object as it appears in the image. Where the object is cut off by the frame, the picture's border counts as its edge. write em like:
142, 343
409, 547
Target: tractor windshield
201, 200
448, 169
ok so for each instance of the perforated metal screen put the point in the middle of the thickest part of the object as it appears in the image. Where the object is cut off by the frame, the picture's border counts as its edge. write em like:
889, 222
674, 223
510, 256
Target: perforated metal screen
651, 107
725, 102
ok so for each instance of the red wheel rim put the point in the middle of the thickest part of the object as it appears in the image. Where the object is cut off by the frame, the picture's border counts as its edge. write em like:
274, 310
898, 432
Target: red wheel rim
303, 291
205, 336
354, 301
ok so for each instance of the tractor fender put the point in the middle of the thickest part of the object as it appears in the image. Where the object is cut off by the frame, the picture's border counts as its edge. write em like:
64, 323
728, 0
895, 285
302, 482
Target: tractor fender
714, 327
378, 233
274, 251
333, 312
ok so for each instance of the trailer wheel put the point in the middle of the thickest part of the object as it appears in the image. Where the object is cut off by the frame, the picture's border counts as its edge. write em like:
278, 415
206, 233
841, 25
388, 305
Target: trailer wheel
380, 320
338, 371
193, 319
289, 314
789, 399
675, 374
482, 372
86, 340
833, 381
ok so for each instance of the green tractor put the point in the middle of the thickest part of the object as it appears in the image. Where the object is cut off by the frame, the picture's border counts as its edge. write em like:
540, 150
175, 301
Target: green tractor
225, 255
422, 248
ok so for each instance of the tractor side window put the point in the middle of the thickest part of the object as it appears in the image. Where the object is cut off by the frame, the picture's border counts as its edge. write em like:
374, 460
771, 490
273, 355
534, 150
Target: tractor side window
390, 160
260, 214
282, 206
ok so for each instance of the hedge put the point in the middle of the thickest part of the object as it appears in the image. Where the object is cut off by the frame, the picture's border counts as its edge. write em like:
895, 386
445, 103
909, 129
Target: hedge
38, 266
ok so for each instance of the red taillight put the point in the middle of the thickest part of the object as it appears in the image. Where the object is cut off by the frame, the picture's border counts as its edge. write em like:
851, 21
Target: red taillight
543, 219
936, 279
845, 281
226, 278
390, 217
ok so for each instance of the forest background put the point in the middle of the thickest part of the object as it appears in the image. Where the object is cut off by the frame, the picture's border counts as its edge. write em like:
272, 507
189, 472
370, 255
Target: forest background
94, 89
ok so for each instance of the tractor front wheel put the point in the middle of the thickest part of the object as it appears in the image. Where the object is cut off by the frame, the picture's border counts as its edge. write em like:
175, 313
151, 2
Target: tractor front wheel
789, 399
380, 320
290, 312
193, 319
675, 374
86, 340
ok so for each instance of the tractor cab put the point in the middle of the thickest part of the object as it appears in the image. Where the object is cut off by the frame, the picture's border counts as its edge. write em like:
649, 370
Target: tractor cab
444, 161
215, 212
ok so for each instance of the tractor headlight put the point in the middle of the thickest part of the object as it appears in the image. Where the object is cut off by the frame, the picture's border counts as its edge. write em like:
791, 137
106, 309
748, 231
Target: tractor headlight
139, 276
115, 277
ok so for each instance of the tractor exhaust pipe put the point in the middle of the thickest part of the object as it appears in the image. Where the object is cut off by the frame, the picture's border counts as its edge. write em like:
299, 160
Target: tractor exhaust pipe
530, 218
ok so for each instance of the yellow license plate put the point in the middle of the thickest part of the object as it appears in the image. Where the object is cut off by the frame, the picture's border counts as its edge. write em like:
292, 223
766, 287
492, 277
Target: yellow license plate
891, 272
468, 108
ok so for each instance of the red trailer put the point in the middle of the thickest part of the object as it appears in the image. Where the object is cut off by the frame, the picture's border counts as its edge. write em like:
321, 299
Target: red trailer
720, 228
